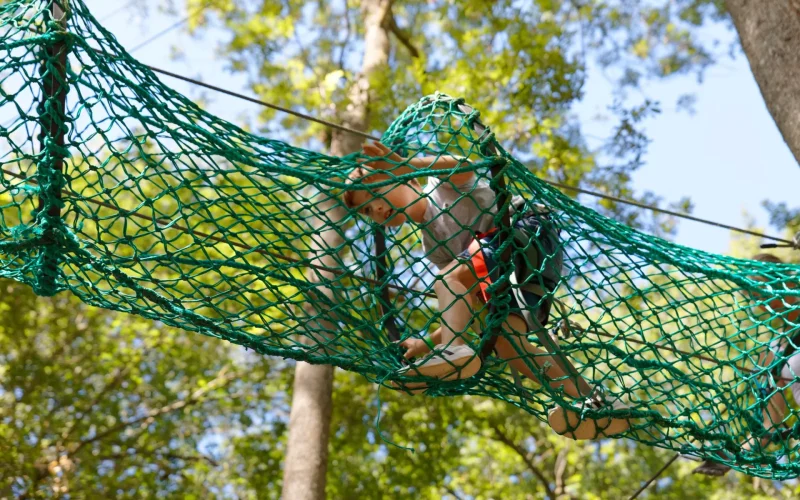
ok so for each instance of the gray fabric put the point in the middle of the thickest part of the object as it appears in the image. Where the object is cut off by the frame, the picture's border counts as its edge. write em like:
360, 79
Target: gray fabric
454, 215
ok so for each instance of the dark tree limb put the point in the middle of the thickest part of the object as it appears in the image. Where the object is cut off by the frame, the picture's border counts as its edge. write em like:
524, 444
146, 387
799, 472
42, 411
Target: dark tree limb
402, 36
503, 438
197, 396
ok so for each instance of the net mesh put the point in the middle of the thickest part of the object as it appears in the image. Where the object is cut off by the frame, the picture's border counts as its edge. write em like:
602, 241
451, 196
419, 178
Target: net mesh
125, 193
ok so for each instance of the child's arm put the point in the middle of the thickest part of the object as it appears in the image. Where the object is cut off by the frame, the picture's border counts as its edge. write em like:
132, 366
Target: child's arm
399, 165
416, 347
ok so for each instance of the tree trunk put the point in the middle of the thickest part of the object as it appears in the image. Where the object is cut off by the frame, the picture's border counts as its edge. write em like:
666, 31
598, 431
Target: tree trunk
306, 460
770, 34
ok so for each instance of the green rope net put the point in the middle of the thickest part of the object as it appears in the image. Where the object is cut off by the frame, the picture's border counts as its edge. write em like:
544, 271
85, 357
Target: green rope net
125, 193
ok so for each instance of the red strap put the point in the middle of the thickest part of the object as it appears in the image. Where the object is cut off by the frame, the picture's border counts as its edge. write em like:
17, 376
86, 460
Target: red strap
490, 232
480, 269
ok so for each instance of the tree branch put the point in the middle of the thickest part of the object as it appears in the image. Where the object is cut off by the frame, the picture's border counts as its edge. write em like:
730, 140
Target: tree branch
153, 453
503, 438
560, 468
108, 387
402, 36
347, 35
771, 41
221, 379
452, 492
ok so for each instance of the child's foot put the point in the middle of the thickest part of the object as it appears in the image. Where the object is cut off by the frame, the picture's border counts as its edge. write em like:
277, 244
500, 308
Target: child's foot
568, 423
710, 468
446, 362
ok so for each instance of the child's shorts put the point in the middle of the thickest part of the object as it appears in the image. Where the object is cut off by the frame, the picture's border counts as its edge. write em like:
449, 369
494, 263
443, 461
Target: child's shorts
534, 238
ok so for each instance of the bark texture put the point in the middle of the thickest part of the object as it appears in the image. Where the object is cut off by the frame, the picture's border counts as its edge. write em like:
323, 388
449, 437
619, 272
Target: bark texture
770, 34
306, 462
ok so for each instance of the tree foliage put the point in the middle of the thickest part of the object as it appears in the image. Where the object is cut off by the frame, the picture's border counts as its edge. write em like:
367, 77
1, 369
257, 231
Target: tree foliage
98, 403
523, 64
103, 404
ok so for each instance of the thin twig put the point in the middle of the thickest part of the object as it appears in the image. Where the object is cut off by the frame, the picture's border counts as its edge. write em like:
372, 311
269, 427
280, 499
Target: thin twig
452, 492
121, 373
157, 454
655, 476
197, 396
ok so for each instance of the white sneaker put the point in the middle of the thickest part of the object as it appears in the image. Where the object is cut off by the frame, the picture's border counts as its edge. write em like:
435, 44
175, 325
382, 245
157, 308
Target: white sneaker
445, 362
418, 387
568, 422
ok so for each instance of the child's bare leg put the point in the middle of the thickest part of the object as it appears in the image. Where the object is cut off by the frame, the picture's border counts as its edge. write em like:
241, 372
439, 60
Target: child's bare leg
518, 352
566, 422
772, 417
455, 300
453, 359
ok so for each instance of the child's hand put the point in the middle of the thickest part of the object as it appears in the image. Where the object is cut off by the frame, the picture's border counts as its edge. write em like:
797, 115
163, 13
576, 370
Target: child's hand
378, 150
414, 347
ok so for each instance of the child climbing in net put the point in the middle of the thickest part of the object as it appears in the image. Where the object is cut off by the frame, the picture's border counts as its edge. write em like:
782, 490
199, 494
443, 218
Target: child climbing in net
456, 215
786, 374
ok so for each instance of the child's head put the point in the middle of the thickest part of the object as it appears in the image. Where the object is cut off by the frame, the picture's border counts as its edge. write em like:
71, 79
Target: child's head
385, 205
765, 257
768, 257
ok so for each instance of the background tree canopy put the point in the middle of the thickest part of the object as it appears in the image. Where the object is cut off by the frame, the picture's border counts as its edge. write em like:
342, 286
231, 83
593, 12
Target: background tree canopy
96, 403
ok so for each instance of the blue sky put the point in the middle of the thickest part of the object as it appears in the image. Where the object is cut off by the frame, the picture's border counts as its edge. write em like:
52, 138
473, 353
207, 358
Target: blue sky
727, 157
